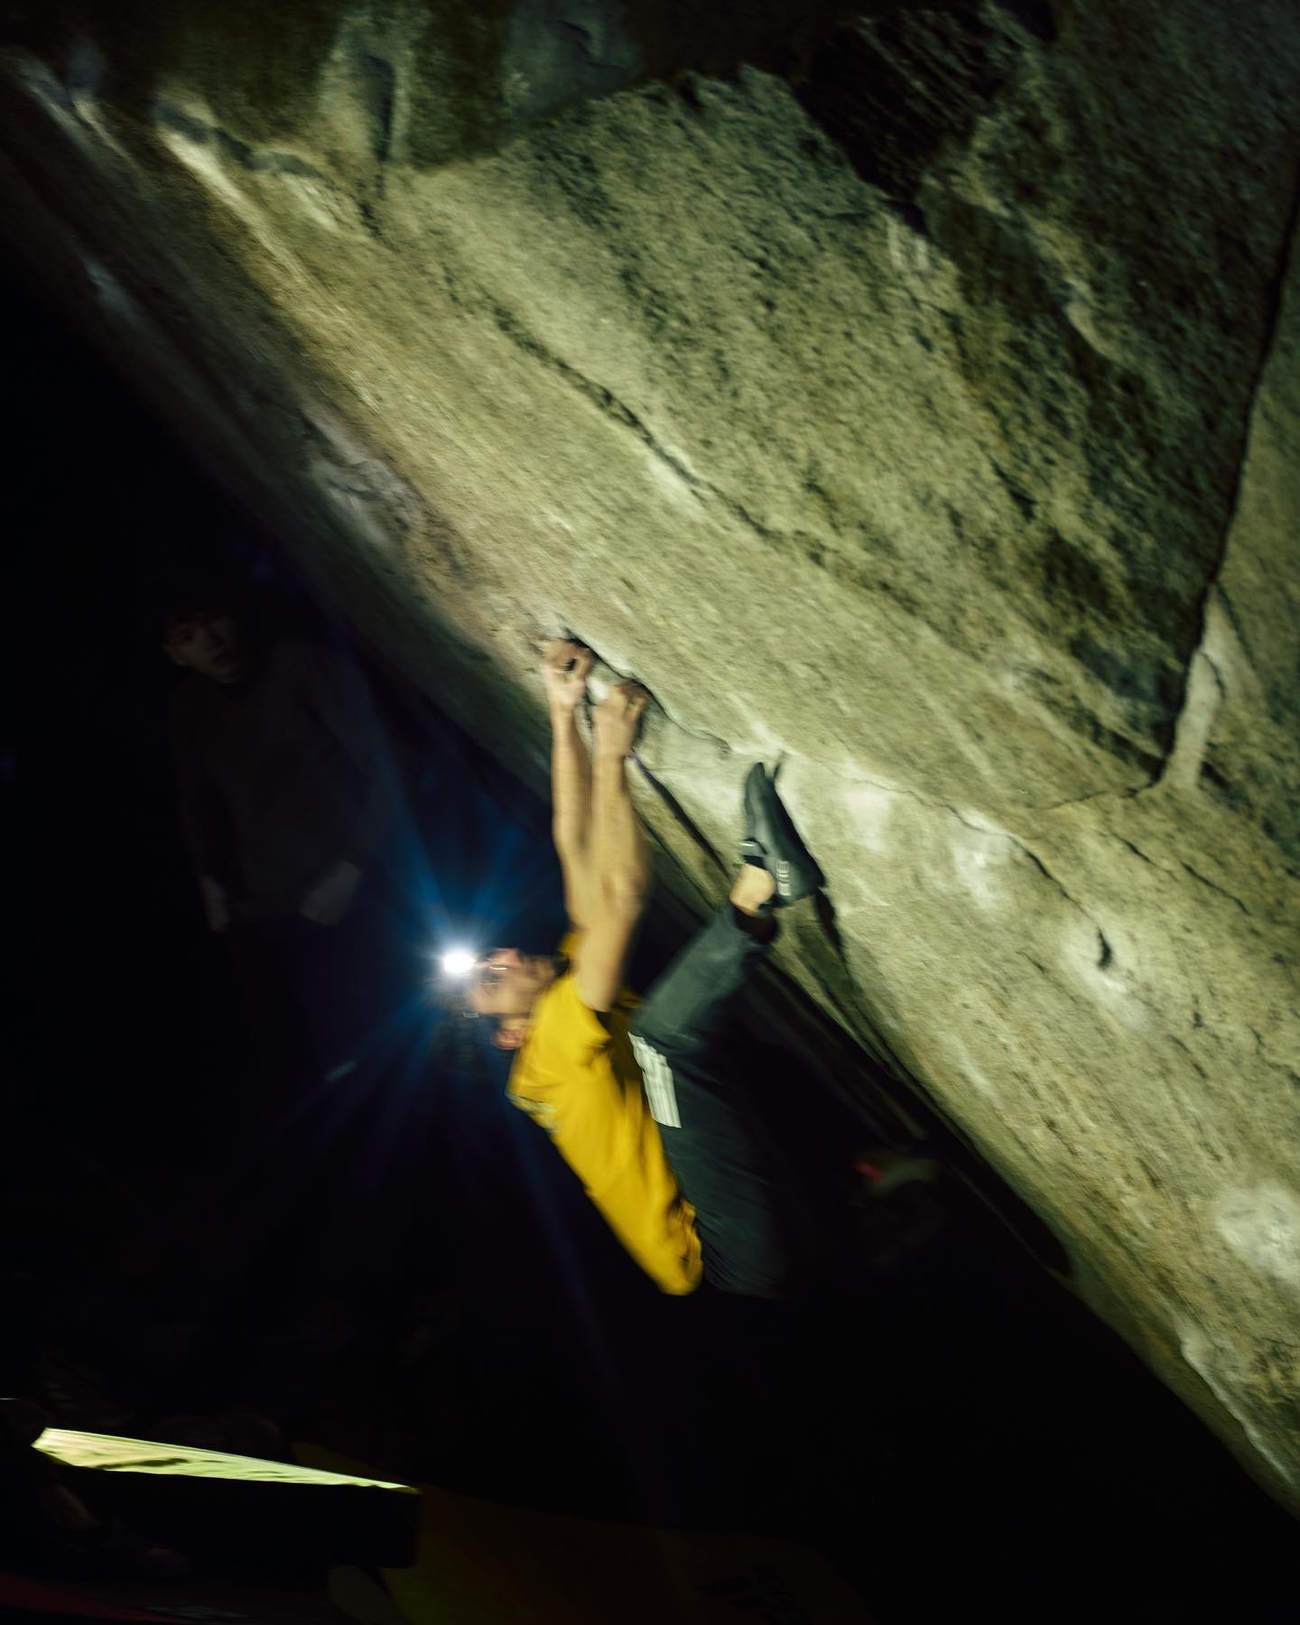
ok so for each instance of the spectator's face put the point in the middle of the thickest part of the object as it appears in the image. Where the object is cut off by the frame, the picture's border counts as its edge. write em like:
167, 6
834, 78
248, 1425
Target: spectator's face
506, 983
210, 643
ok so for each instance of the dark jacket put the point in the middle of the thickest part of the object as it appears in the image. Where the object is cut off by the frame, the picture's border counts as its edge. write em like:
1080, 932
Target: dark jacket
281, 776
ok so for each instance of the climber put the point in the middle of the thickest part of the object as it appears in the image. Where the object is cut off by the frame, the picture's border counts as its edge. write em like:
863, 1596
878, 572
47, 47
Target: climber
641, 1100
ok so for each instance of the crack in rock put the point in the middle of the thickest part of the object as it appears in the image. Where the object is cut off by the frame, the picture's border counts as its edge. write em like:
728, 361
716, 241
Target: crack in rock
509, 325
1206, 881
1187, 868
1105, 954
683, 819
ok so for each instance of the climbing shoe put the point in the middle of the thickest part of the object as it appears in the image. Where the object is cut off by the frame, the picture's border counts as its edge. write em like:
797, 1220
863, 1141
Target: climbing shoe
771, 842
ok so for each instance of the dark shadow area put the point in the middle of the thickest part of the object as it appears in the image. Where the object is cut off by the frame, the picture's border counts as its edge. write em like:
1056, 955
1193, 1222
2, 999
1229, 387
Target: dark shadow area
412, 1277
889, 82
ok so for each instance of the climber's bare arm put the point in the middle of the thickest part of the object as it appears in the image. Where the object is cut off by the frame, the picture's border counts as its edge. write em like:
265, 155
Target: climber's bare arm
565, 667
620, 866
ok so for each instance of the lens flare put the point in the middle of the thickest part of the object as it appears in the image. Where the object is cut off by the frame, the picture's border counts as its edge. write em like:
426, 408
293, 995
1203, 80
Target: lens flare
458, 962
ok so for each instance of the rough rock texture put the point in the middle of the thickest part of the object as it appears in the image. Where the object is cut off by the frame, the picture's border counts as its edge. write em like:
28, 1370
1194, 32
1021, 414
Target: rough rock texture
914, 394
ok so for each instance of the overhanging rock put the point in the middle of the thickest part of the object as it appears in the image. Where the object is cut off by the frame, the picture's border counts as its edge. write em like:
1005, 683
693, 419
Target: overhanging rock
912, 395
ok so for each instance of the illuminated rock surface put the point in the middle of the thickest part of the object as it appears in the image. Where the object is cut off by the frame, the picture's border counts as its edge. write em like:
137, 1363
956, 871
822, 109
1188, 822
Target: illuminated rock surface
915, 397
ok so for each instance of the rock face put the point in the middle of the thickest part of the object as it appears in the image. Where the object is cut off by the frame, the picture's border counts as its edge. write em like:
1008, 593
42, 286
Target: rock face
914, 394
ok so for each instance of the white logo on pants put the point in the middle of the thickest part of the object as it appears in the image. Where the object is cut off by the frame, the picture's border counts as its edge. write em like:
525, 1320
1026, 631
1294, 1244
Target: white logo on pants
658, 1078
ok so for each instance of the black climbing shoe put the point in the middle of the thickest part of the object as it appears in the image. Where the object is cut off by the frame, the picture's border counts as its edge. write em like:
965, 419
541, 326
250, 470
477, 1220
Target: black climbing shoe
771, 842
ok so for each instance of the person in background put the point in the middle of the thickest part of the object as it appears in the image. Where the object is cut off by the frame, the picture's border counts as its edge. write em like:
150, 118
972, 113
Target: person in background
288, 799
291, 806
280, 765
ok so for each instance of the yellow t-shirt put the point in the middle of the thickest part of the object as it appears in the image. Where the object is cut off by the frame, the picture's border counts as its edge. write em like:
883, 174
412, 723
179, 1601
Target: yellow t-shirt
577, 1076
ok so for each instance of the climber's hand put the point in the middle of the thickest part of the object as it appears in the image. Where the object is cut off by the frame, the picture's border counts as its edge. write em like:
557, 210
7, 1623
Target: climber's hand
565, 667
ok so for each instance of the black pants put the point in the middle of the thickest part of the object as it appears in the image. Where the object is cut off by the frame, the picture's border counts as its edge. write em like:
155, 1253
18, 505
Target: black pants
725, 1164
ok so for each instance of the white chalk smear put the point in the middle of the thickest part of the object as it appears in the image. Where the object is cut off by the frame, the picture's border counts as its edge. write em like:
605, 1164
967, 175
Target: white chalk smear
1261, 1225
